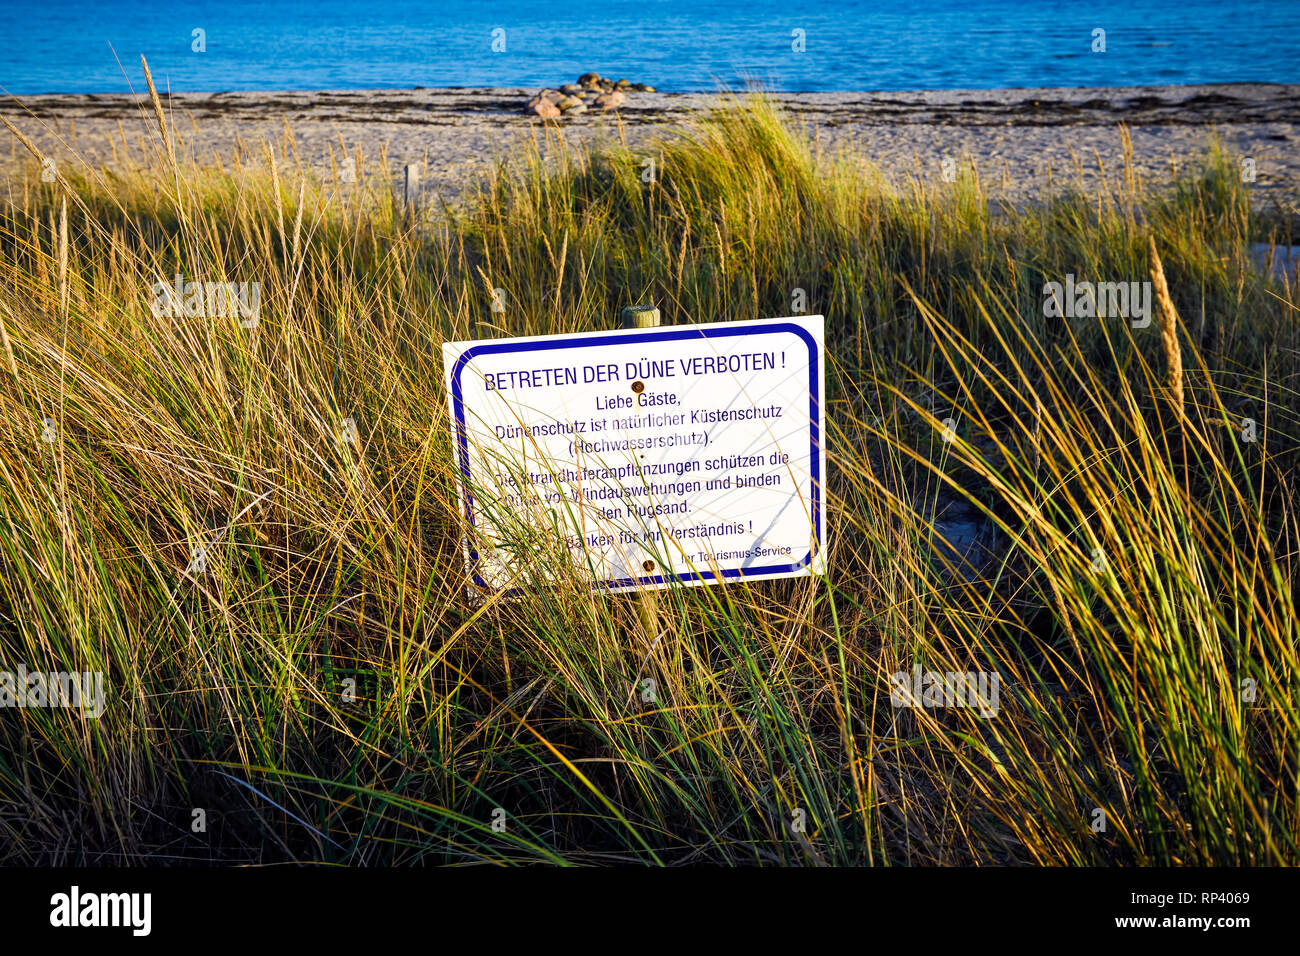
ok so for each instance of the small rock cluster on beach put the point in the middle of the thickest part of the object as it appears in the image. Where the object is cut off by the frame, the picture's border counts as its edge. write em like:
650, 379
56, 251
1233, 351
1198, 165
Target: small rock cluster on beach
569, 99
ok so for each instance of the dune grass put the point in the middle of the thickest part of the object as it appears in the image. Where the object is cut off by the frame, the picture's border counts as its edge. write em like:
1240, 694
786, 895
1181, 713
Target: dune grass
277, 598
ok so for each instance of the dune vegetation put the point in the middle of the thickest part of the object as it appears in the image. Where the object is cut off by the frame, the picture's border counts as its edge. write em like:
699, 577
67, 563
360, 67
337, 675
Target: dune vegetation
251, 527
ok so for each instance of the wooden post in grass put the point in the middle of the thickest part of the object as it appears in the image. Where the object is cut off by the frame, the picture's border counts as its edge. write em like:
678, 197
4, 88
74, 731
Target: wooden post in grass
647, 606
411, 187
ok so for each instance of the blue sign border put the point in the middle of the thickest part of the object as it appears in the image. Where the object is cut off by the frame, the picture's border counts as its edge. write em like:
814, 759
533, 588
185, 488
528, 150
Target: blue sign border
666, 335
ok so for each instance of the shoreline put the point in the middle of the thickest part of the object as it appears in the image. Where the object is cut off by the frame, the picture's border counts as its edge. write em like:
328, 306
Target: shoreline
1025, 142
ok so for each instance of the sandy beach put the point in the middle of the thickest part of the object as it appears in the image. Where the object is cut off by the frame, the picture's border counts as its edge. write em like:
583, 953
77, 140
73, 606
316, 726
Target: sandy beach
1024, 142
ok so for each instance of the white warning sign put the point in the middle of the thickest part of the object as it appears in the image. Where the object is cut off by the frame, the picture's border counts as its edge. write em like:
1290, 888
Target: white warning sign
643, 457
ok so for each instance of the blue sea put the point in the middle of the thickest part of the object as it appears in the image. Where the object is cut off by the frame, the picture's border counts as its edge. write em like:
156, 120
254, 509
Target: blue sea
676, 45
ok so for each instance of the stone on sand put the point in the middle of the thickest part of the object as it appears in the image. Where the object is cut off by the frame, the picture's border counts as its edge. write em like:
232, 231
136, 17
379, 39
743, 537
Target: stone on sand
543, 104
